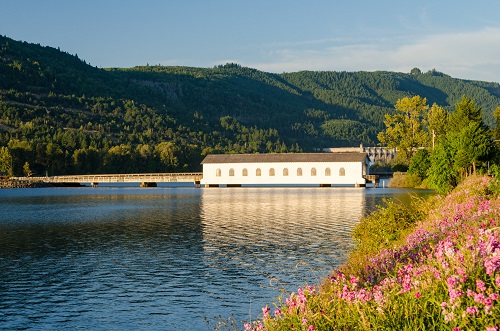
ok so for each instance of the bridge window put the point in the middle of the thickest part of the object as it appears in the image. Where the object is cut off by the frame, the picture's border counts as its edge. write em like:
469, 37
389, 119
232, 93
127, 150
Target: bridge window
328, 172
245, 172
258, 172
218, 172
231, 172
341, 172
285, 172
299, 172
313, 171
271, 172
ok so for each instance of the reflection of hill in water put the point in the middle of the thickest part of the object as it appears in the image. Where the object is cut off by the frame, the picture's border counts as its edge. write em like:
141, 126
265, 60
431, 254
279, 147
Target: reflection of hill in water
286, 225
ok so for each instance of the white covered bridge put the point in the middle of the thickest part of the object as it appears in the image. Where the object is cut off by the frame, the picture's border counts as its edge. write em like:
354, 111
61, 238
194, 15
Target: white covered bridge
323, 169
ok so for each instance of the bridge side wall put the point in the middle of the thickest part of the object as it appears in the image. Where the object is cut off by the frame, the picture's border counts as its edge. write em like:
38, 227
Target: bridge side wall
275, 174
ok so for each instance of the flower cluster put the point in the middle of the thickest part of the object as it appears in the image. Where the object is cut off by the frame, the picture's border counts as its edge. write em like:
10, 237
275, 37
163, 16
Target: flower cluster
448, 267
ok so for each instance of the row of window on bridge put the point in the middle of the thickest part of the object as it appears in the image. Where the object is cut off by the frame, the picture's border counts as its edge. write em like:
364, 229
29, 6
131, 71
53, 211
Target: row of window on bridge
272, 172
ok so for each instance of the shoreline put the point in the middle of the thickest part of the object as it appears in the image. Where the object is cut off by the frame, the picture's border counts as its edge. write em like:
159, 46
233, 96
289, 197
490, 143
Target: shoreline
16, 183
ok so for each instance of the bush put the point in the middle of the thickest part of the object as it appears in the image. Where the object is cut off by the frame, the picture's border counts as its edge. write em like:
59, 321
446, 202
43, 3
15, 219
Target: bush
405, 180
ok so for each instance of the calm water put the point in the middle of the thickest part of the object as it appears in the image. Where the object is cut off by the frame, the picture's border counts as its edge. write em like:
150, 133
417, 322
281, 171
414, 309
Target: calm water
165, 258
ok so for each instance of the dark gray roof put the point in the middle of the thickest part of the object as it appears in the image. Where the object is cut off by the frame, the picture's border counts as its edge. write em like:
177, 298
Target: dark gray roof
285, 158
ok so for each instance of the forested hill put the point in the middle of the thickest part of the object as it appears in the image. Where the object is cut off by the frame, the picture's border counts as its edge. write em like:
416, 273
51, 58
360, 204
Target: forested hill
62, 115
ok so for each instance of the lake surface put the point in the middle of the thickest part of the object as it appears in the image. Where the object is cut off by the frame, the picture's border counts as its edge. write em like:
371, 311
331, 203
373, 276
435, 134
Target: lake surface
166, 258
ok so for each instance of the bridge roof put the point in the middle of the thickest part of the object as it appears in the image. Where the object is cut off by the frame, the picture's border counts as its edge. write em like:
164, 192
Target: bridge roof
285, 158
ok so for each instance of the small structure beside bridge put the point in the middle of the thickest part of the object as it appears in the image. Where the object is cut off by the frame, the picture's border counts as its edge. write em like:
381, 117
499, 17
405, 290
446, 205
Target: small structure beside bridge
375, 153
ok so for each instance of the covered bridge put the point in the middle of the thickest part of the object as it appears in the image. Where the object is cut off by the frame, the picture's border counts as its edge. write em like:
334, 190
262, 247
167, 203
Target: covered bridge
323, 169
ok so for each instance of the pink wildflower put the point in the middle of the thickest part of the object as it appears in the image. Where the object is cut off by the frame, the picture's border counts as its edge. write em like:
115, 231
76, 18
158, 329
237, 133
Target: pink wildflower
497, 281
310, 328
480, 285
492, 328
479, 297
494, 296
277, 312
472, 310
492, 263
311, 289
304, 321
265, 312
417, 295
247, 326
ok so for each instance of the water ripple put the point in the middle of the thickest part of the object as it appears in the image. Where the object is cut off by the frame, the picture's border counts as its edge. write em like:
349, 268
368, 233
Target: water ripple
163, 259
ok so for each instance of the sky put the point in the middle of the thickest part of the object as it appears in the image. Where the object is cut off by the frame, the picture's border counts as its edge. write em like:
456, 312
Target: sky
460, 38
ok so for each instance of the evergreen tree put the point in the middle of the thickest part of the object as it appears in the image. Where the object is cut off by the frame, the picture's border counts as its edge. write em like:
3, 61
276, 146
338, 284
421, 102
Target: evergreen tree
5, 161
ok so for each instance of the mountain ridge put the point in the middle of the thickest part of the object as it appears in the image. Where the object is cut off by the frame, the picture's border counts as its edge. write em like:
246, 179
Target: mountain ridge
225, 109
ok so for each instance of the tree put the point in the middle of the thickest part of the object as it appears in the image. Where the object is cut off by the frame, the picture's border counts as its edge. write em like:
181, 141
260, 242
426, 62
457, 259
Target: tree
437, 119
166, 151
420, 163
5, 161
86, 160
466, 111
26, 169
466, 144
496, 131
119, 159
441, 175
471, 145
405, 130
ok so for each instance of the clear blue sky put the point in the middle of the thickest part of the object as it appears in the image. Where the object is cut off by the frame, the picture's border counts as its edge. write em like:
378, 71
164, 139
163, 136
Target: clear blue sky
458, 37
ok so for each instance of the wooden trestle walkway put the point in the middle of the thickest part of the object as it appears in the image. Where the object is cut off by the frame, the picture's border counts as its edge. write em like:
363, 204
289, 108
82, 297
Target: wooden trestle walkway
146, 180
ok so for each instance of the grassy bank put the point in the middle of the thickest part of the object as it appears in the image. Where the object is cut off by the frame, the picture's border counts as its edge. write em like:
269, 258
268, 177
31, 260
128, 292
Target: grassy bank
431, 265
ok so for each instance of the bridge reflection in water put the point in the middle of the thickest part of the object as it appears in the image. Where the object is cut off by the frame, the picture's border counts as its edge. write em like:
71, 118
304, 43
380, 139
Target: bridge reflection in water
267, 233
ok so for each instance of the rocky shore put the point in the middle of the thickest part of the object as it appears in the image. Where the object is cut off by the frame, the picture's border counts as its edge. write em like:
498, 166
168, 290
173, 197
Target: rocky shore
16, 183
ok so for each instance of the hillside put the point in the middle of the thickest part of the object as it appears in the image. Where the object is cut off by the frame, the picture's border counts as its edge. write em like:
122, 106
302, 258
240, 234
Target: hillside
62, 115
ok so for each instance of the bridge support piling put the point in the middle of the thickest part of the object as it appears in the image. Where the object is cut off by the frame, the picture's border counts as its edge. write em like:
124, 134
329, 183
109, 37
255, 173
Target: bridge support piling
149, 184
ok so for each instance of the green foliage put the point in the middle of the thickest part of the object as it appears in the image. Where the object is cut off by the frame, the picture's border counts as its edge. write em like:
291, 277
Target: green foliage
405, 180
496, 132
437, 119
466, 143
404, 130
441, 174
383, 229
5, 161
26, 169
420, 163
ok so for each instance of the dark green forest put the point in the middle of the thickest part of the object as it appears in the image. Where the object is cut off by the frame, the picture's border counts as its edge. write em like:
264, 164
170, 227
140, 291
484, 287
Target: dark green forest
60, 115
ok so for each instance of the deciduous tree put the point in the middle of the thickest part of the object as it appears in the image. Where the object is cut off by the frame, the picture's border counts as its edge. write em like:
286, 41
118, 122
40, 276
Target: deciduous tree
405, 130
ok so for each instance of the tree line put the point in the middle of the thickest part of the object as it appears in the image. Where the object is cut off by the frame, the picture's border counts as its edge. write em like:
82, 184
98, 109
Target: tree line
440, 148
